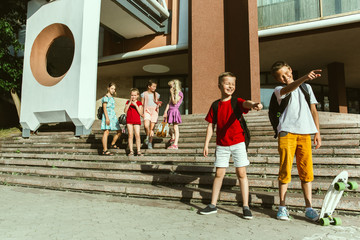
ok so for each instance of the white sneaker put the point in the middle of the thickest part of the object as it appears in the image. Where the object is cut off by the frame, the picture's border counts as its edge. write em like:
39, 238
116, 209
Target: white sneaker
146, 141
150, 146
283, 214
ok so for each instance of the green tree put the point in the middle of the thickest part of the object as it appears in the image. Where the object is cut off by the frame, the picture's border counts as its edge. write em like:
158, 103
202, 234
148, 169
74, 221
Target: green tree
12, 19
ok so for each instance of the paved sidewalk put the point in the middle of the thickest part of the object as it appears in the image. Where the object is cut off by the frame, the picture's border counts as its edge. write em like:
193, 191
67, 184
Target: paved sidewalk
37, 214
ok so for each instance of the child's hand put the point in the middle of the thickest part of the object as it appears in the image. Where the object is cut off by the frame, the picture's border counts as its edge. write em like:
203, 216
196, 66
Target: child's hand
314, 74
317, 140
257, 106
159, 103
165, 115
107, 122
206, 151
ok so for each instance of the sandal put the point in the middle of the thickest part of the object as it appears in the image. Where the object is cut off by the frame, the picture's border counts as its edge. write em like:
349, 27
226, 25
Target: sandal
173, 147
107, 153
131, 153
113, 146
139, 154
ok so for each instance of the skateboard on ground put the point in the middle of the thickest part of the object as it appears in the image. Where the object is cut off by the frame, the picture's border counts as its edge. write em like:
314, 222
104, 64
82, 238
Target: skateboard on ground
332, 198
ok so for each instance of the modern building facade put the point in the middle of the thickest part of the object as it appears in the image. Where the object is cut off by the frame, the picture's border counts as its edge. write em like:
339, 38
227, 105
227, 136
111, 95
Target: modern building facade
193, 41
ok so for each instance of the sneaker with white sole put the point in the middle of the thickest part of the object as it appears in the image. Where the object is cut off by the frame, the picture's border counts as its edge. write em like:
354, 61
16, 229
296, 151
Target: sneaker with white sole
247, 213
150, 145
283, 214
146, 141
208, 210
312, 214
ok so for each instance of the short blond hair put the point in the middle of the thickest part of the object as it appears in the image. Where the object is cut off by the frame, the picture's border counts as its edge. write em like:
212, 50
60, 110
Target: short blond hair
223, 75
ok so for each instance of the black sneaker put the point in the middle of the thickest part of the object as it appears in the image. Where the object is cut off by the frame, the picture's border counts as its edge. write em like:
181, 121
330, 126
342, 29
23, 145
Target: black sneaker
208, 210
247, 213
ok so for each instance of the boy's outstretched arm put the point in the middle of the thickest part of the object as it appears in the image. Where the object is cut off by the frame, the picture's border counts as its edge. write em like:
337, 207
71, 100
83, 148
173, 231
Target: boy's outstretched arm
252, 105
315, 115
295, 84
209, 133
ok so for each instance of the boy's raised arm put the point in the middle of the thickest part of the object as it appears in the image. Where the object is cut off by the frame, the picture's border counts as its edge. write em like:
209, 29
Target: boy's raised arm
209, 133
295, 84
252, 105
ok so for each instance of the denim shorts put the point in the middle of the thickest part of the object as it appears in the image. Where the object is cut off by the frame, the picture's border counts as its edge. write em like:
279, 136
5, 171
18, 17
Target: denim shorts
238, 152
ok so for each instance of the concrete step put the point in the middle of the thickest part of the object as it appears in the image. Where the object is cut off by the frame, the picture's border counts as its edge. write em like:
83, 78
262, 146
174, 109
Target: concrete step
194, 160
253, 144
320, 186
205, 168
330, 151
168, 192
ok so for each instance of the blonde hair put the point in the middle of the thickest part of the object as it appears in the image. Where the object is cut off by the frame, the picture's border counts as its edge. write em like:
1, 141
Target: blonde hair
135, 90
177, 86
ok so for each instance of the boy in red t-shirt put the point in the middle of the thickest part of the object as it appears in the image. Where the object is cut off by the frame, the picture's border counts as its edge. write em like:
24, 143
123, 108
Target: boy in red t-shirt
229, 141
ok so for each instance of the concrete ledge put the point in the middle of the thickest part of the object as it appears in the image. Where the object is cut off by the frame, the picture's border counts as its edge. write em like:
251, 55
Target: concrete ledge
261, 198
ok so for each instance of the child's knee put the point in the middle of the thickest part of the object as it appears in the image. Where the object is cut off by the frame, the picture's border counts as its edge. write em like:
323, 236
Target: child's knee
241, 172
220, 173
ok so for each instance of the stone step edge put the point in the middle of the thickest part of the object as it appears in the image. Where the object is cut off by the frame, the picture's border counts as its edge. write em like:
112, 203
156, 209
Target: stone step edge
16, 158
354, 173
256, 198
93, 145
331, 151
161, 178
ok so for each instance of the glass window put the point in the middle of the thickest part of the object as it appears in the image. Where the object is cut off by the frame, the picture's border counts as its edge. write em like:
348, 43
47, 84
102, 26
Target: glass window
265, 95
276, 12
332, 7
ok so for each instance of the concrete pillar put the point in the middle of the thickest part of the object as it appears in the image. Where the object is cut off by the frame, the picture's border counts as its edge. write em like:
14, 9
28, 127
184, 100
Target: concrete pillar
242, 46
206, 52
337, 88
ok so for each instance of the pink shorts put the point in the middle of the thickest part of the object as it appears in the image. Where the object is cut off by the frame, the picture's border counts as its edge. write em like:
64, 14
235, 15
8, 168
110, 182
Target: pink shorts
151, 114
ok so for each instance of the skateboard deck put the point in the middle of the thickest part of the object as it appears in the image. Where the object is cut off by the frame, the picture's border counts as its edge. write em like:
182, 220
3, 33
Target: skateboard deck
332, 198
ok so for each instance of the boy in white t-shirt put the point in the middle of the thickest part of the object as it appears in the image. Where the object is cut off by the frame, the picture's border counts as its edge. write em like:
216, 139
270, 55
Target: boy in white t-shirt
296, 124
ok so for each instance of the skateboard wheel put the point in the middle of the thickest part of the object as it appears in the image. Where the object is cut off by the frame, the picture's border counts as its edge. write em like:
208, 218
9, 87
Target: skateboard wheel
353, 185
324, 222
340, 186
337, 221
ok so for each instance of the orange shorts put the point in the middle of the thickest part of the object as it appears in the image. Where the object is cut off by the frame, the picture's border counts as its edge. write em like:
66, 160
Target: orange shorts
299, 145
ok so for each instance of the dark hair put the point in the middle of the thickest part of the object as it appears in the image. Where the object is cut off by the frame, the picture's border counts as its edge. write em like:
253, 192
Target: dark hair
225, 74
112, 84
151, 82
277, 66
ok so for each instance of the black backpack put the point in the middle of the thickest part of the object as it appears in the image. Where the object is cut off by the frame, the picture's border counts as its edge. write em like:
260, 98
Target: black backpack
100, 112
238, 115
275, 110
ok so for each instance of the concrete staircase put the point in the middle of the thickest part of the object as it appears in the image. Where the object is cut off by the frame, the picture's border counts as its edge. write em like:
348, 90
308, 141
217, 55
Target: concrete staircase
58, 160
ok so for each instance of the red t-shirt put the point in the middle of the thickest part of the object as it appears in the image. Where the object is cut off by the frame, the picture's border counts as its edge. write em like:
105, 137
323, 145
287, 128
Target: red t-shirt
228, 128
132, 115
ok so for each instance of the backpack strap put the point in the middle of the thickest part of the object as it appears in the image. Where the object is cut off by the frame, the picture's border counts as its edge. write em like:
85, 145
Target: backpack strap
305, 91
236, 109
215, 106
283, 104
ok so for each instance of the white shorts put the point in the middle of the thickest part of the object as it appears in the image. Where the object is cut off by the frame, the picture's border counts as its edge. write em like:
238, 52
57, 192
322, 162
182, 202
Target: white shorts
238, 152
